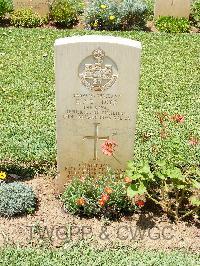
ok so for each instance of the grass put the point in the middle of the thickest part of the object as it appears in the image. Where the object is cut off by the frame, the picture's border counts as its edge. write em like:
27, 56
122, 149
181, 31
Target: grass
90, 256
169, 83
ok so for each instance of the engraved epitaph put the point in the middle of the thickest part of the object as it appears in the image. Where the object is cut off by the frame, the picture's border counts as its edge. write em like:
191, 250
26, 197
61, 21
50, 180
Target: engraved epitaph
97, 81
175, 8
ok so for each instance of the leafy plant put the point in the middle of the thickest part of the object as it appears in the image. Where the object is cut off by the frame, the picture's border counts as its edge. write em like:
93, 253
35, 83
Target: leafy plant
172, 24
97, 196
16, 198
133, 14
176, 191
150, 8
195, 14
102, 15
66, 12
26, 18
116, 15
6, 6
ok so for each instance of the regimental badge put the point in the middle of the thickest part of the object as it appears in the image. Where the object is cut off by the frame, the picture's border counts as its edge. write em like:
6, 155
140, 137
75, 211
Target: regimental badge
98, 76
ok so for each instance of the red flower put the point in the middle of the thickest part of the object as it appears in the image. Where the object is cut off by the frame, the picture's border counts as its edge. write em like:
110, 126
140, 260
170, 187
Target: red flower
82, 178
81, 202
108, 147
101, 202
105, 197
108, 190
193, 141
178, 118
127, 180
140, 203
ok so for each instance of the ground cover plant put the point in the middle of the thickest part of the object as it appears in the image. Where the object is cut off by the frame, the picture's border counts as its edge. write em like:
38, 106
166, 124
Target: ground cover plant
172, 24
195, 14
92, 256
26, 18
104, 195
16, 198
116, 15
66, 12
5, 7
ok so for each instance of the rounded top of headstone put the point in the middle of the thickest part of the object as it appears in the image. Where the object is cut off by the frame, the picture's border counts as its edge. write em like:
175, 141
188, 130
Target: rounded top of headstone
99, 39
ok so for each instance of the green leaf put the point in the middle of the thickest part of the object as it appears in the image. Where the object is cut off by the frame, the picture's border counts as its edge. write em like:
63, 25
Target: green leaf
142, 189
132, 191
137, 177
130, 165
160, 175
180, 186
129, 173
161, 163
175, 174
195, 201
136, 189
196, 184
145, 169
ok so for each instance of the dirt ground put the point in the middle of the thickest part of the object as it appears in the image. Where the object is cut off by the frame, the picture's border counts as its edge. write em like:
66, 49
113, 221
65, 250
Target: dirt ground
50, 225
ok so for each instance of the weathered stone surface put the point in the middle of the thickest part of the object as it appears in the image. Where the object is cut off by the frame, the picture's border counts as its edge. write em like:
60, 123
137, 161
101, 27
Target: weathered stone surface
41, 7
175, 8
96, 99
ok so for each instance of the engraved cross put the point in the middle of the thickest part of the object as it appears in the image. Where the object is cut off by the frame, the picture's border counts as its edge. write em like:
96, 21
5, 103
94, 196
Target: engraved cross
96, 138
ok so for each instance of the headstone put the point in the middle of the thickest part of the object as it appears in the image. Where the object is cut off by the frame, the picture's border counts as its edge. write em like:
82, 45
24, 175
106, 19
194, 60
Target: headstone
42, 7
97, 81
174, 8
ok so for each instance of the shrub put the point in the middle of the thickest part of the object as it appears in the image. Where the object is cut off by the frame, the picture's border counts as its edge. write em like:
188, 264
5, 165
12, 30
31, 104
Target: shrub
97, 196
195, 14
102, 15
133, 14
150, 8
16, 198
172, 25
6, 6
26, 18
175, 190
65, 12
116, 15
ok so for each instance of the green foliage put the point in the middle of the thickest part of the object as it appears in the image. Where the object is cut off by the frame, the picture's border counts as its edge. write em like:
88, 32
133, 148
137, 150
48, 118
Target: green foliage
116, 15
26, 18
97, 196
133, 14
102, 15
16, 198
175, 190
172, 24
150, 8
6, 6
82, 254
66, 12
195, 14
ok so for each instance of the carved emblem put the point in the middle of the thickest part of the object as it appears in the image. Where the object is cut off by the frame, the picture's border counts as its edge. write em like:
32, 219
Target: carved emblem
98, 76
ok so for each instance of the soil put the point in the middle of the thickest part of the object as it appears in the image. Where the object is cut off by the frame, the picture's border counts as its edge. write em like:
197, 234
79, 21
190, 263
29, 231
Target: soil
51, 226
150, 26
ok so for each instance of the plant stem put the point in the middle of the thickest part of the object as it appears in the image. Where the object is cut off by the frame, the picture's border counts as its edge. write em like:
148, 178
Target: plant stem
190, 212
116, 159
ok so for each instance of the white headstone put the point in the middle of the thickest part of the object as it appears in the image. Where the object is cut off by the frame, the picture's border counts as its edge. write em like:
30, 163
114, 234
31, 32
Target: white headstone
174, 8
97, 81
42, 7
